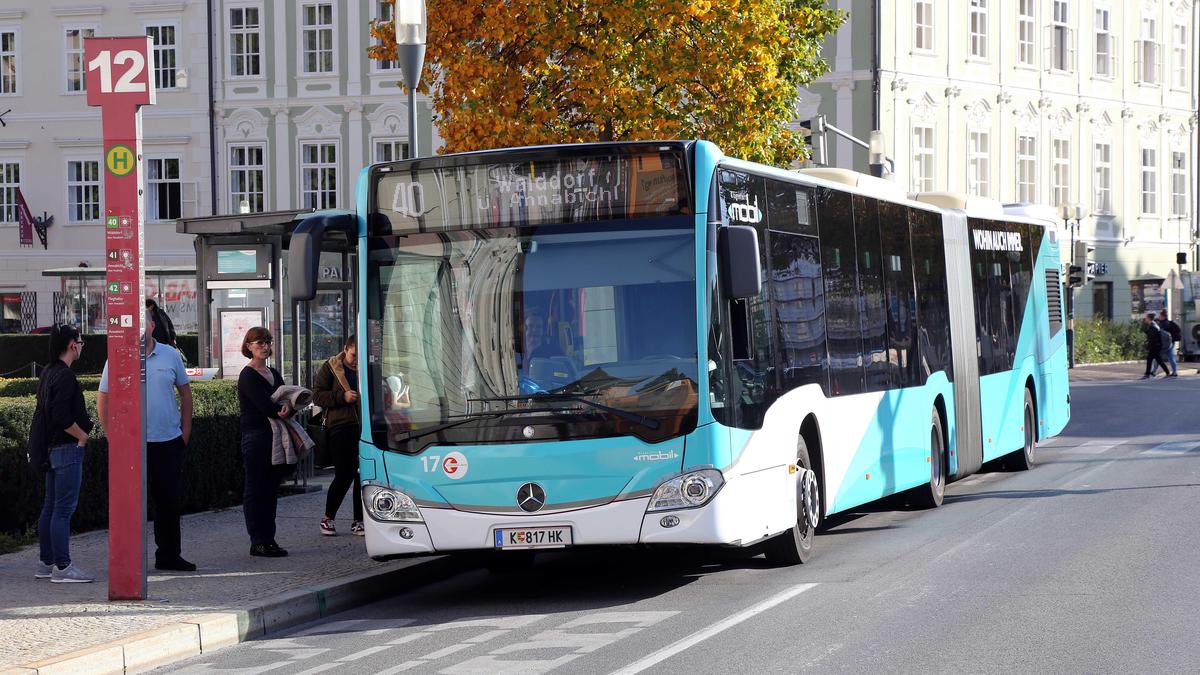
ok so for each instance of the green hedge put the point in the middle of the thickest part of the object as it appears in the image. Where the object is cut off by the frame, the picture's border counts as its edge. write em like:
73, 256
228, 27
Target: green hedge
27, 386
17, 351
1101, 341
213, 473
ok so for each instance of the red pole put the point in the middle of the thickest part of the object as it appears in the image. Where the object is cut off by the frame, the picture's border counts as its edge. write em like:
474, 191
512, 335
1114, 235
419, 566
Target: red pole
119, 82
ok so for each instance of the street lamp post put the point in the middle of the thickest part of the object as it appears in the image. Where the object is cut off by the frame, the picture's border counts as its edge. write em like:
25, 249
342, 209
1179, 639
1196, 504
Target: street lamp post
410, 51
1071, 212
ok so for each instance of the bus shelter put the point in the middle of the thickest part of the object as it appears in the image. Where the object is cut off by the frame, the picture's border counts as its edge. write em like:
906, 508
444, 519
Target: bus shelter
241, 278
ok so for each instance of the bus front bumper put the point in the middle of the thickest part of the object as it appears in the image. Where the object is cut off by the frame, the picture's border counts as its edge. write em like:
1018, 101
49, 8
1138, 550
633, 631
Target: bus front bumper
739, 514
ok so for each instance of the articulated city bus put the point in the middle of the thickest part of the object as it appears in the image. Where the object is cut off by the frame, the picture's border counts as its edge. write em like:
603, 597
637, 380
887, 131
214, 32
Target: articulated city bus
652, 343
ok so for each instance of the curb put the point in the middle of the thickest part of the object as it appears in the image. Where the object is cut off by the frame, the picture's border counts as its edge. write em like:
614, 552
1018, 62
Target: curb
205, 633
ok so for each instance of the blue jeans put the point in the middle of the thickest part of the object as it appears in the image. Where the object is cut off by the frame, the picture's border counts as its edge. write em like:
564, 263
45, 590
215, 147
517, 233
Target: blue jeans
62, 495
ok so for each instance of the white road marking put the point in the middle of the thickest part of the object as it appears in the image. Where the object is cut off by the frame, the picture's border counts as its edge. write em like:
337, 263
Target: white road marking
366, 652
447, 651
714, 629
1172, 448
1097, 447
407, 665
319, 669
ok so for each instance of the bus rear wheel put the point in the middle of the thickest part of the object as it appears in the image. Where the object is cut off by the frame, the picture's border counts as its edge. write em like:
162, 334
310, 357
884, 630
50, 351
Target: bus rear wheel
795, 545
930, 495
1026, 458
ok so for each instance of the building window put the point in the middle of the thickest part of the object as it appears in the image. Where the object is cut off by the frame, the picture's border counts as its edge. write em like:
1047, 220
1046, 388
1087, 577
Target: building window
83, 191
245, 51
247, 178
1105, 60
164, 191
978, 166
318, 37
1026, 33
923, 25
1147, 54
1178, 184
390, 150
318, 175
1179, 61
1149, 181
922, 159
1062, 38
75, 69
10, 181
1061, 172
1102, 158
385, 12
165, 56
1026, 169
979, 29
8, 62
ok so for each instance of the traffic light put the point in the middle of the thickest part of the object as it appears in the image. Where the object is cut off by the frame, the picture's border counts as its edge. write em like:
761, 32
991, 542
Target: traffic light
1075, 276
1084, 263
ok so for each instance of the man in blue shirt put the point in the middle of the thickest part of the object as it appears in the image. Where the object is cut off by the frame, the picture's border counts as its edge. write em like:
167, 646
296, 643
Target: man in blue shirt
167, 434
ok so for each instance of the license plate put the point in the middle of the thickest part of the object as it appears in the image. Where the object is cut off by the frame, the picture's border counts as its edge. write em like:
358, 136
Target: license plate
533, 537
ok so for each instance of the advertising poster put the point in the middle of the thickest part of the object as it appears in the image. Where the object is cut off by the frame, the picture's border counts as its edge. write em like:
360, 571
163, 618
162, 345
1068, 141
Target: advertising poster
234, 324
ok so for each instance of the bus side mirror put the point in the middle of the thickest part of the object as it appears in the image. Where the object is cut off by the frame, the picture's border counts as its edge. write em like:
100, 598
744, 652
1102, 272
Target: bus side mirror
740, 268
304, 251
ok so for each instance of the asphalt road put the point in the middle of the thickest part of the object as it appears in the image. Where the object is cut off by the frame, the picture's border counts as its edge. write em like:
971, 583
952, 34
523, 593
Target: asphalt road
1089, 563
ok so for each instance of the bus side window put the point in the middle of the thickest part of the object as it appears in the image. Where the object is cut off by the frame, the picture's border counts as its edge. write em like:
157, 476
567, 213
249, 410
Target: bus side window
899, 298
873, 315
838, 257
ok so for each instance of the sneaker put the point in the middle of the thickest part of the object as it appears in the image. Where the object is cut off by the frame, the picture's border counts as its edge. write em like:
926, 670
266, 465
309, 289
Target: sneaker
267, 551
43, 571
1146, 377
176, 565
327, 527
71, 575
356, 528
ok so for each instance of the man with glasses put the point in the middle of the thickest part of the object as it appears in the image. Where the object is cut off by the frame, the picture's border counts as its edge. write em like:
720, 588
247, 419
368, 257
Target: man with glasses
167, 434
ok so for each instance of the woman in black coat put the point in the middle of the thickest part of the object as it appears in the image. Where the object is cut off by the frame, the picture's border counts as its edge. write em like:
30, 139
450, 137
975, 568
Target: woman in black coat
256, 383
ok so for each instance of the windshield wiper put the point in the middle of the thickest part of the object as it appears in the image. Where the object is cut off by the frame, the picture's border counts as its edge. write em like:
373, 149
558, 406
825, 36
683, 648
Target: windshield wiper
463, 419
648, 422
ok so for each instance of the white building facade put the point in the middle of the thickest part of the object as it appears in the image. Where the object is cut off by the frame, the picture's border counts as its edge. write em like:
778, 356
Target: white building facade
1091, 103
294, 109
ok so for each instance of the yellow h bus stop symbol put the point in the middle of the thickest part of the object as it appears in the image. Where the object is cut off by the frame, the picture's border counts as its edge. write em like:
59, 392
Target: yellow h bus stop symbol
119, 160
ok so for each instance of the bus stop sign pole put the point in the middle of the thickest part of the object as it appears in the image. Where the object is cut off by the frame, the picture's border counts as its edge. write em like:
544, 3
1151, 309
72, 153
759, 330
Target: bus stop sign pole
119, 82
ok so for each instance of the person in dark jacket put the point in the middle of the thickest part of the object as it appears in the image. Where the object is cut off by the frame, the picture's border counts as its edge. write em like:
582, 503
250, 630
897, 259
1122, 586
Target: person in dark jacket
1154, 345
335, 389
1168, 350
60, 396
256, 383
164, 330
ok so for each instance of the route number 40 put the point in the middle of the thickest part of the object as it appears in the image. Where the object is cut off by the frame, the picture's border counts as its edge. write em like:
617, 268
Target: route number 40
125, 85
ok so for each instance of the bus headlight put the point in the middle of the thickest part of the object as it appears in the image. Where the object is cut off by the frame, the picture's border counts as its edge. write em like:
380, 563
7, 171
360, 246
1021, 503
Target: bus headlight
390, 505
689, 490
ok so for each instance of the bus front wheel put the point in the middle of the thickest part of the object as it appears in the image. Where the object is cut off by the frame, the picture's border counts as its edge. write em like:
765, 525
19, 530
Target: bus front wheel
795, 545
930, 495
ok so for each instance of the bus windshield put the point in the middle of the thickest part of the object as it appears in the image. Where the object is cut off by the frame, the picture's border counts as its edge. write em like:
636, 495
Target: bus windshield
494, 335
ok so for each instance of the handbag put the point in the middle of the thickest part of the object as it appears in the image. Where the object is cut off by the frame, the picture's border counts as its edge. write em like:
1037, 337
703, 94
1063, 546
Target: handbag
317, 431
37, 451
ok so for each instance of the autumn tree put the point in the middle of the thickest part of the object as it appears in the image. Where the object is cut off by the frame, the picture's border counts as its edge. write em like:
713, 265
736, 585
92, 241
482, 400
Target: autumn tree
531, 72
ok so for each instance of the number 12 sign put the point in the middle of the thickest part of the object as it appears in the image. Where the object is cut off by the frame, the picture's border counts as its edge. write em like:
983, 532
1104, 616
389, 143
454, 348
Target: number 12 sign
119, 71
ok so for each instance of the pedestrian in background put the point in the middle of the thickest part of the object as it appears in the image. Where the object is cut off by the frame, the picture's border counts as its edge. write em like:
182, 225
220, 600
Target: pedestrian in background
335, 389
1154, 345
64, 414
1176, 334
168, 429
256, 383
164, 330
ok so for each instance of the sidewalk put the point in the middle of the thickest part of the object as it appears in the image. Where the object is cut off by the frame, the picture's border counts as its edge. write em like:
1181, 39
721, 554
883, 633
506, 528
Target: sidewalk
40, 620
1132, 370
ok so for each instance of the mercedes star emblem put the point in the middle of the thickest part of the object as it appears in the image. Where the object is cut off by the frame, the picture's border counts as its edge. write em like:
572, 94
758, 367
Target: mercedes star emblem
531, 497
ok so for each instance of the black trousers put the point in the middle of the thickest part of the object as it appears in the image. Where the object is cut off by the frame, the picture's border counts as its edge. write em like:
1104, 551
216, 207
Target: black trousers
261, 496
1151, 357
164, 473
343, 446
